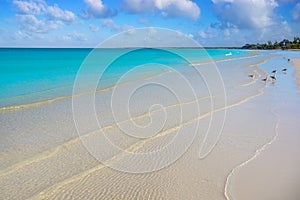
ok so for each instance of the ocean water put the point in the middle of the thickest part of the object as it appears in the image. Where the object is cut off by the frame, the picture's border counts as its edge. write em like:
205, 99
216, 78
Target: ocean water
35, 75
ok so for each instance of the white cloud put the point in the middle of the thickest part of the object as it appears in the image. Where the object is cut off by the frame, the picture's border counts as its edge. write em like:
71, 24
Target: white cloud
204, 34
36, 16
286, 1
30, 7
59, 14
246, 13
75, 36
40, 7
251, 21
228, 32
222, 1
96, 9
109, 23
168, 8
225, 35
143, 21
277, 32
95, 4
30, 23
296, 12
20, 35
94, 28
190, 35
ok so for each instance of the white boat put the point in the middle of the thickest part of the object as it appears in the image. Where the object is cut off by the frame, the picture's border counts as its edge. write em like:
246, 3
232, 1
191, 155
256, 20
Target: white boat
228, 54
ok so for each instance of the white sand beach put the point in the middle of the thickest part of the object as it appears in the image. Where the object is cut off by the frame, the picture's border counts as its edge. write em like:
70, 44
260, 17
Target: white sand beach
255, 157
296, 65
273, 173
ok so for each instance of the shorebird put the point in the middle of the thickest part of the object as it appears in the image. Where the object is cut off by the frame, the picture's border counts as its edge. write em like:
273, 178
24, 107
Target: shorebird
289, 60
265, 79
274, 71
251, 75
284, 70
273, 78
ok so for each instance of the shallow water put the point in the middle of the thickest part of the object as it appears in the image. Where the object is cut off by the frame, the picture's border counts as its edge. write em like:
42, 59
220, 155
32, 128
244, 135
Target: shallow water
34, 75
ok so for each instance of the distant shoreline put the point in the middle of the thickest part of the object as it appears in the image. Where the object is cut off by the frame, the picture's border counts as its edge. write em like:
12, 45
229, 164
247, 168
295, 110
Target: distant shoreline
206, 48
116, 47
132, 47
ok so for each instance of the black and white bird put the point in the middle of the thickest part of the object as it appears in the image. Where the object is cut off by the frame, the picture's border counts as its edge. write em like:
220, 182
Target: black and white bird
274, 71
273, 78
284, 70
251, 75
265, 79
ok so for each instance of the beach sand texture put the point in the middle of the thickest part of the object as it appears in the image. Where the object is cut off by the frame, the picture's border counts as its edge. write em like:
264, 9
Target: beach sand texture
42, 156
274, 174
296, 65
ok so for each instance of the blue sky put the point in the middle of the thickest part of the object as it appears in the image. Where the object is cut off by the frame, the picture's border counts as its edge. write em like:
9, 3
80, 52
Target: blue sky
85, 23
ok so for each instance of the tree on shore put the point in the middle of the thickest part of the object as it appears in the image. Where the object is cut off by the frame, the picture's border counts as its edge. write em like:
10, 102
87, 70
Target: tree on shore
284, 44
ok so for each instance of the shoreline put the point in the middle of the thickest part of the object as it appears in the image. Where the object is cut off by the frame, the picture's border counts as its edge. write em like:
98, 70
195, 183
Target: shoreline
281, 151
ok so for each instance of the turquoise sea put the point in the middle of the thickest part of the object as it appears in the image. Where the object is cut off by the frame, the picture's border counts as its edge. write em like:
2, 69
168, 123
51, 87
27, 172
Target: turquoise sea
30, 75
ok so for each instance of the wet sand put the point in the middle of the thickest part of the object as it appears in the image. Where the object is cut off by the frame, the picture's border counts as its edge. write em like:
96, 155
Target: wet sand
296, 66
275, 174
42, 156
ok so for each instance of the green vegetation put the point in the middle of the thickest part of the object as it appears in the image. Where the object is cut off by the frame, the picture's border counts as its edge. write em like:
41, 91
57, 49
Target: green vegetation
284, 44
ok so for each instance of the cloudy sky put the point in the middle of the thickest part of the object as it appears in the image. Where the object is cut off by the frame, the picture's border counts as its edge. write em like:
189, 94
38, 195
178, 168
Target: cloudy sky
85, 23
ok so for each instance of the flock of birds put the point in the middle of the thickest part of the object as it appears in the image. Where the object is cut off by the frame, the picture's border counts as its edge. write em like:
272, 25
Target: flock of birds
273, 76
